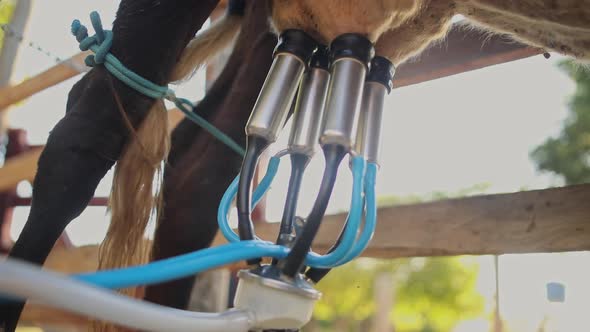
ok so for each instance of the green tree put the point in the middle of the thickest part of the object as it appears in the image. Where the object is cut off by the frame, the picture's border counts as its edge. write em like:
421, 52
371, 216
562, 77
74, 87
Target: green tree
568, 155
391, 200
432, 294
437, 295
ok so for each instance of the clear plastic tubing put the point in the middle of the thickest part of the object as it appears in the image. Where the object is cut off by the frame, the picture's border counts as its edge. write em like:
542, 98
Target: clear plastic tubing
28, 281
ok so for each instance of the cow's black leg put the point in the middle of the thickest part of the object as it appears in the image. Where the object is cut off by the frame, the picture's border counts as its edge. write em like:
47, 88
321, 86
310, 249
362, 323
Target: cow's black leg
148, 37
194, 187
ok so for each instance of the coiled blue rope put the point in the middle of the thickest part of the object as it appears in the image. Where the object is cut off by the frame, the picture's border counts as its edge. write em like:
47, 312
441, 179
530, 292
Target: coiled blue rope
101, 44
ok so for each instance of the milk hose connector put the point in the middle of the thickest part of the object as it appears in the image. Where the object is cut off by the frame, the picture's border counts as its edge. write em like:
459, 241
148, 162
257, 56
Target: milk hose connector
378, 84
270, 111
305, 132
350, 57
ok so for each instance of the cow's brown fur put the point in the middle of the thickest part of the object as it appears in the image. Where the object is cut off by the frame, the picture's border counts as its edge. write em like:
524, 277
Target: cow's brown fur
404, 28
564, 28
409, 39
326, 19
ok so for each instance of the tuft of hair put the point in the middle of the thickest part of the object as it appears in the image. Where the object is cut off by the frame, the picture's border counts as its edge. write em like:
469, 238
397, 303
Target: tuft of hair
135, 198
430, 25
206, 45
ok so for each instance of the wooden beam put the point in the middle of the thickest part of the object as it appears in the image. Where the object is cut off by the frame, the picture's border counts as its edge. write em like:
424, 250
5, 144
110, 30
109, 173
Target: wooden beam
549, 220
51, 77
39, 315
76, 260
463, 50
20, 168
24, 167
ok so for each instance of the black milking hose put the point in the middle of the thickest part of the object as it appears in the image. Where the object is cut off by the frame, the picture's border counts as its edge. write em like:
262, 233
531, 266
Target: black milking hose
299, 162
293, 263
254, 147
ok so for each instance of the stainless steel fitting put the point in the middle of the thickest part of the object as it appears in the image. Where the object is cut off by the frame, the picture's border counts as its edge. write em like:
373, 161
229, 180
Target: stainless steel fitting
351, 54
277, 302
369, 128
273, 103
344, 101
309, 110
378, 84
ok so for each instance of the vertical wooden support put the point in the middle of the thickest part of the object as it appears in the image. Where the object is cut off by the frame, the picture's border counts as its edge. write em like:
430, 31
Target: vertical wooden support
211, 291
498, 326
15, 143
384, 294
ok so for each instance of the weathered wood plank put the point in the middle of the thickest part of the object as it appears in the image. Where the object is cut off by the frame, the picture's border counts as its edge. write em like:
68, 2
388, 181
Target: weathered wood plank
52, 76
462, 50
550, 220
20, 168
24, 167
76, 260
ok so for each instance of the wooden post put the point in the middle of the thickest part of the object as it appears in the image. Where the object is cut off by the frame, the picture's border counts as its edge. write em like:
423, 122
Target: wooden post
18, 149
498, 326
17, 144
11, 45
24, 166
384, 295
10, 50
211, 291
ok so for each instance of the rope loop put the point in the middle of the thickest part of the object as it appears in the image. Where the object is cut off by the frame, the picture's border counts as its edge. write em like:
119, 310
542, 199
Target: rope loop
101, 44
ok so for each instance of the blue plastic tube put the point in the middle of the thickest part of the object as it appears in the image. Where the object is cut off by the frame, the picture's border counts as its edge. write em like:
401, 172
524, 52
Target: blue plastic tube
352, 226
192, 263
183, 265
371, 215
188, 264
354, 216
230, 193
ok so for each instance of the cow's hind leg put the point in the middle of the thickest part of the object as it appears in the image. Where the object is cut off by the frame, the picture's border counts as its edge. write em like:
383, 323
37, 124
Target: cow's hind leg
66, 179
193, 191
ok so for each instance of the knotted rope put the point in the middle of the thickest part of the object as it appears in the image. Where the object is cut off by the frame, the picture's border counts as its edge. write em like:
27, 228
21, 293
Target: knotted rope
100, 44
